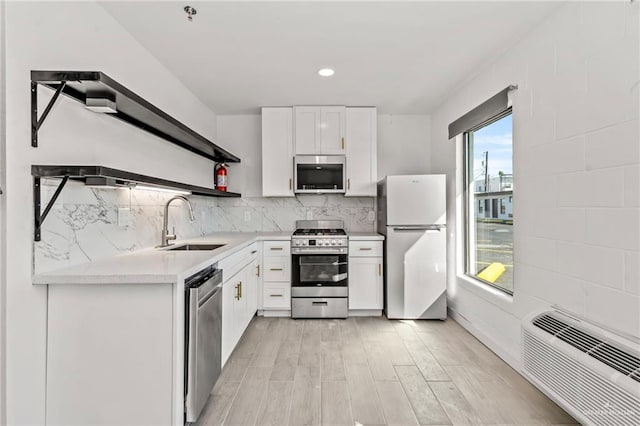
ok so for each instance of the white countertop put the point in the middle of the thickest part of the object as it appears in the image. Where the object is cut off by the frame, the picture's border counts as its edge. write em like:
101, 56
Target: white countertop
365, 236
153, 265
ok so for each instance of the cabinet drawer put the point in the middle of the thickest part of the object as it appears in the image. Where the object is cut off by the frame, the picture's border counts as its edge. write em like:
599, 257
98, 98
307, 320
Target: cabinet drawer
276, 248
233, 263
276, 296
277, 268
331, 307
365, 248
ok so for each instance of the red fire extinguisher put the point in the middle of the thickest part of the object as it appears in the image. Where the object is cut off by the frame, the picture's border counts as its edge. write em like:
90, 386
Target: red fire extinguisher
220, 172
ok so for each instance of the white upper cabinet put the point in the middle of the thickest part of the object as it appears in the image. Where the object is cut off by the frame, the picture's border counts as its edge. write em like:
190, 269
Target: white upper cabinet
332, 130
277, 152
307, 130
361, 152
320, 130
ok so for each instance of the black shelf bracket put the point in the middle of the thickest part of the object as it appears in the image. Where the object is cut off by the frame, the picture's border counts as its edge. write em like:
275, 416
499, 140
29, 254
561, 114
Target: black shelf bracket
36, 122
37, 204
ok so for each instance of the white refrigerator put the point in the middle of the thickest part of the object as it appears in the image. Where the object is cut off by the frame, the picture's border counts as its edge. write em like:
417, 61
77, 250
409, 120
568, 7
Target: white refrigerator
412, 216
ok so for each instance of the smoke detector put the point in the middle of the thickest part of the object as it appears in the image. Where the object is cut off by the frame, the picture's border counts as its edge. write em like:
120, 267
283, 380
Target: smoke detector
190, 11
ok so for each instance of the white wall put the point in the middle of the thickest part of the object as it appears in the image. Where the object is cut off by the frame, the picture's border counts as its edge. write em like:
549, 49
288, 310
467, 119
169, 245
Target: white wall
244, 133
576, 174
404, 144
80, 36
3, 241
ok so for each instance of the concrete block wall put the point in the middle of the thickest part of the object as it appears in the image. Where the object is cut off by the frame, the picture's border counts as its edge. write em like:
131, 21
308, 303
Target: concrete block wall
576, 174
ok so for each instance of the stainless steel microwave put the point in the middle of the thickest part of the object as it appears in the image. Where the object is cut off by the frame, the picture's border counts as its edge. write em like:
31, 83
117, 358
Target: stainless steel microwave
319, 174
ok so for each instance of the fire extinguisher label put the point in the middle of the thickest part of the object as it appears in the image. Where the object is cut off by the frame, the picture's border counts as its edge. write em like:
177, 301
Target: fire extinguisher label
222, 180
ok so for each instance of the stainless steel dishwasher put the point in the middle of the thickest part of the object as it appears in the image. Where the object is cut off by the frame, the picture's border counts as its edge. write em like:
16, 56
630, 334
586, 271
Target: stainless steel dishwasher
203, 338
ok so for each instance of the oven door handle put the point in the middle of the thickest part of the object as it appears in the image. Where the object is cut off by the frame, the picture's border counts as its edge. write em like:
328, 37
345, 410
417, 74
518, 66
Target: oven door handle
320, 302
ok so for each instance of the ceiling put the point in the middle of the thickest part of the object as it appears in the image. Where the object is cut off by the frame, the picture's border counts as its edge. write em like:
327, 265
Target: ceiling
403, 57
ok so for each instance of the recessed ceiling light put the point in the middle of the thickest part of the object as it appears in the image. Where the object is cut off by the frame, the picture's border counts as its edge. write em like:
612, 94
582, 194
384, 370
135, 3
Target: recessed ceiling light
326, 72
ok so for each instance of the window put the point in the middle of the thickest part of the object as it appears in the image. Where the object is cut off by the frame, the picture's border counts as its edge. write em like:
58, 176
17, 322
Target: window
489, 178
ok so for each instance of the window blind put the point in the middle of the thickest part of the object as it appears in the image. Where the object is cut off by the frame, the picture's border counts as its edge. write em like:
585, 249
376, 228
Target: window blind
495, 105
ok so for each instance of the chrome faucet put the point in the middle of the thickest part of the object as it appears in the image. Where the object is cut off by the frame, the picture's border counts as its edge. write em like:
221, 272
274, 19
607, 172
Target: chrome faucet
166, 237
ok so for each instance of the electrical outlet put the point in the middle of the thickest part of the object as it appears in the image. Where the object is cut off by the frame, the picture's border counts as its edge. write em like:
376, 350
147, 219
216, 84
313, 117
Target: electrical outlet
309, 215
124, 216
247, 216
371, 217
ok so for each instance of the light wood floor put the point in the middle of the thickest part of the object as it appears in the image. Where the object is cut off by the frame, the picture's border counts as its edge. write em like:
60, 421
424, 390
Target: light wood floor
371, 371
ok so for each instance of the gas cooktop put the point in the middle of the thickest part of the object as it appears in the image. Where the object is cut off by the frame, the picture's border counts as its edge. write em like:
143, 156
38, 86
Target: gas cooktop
319, 232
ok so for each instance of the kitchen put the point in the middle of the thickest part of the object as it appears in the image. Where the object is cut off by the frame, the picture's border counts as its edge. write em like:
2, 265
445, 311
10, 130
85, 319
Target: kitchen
577, 86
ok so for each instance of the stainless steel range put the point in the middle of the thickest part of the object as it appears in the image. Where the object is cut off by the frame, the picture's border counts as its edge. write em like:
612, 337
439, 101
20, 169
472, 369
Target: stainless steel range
319, 281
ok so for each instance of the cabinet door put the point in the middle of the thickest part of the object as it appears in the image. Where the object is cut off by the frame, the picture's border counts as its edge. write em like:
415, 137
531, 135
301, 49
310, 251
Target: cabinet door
365, 283
332, 130
361, 151
240, 303
228, 318
277, 152
307, 130
251, 291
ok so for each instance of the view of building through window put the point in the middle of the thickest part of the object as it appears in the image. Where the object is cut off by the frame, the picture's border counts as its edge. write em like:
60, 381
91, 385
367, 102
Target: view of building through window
489, 195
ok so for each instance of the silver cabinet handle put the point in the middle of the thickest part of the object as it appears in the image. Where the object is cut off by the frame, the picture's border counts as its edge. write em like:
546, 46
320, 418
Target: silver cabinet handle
275, 269
276, 248
365, 248
276, 295
419, 228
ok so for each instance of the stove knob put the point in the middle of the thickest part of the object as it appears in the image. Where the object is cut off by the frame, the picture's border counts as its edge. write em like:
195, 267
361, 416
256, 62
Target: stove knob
333, 242
320, 243
305, 242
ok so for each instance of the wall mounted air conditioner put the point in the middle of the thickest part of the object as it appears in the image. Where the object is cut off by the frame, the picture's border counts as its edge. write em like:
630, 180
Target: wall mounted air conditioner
592, 373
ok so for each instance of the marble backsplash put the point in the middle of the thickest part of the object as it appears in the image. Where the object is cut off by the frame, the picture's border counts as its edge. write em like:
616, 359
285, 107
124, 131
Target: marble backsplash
83, 224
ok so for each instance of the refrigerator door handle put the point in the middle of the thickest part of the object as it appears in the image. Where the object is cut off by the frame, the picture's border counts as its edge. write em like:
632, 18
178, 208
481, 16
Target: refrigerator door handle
419, 228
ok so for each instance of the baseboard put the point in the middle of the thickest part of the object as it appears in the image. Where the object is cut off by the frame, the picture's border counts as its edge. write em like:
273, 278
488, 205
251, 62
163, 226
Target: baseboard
515, 363
268, 313
365, 312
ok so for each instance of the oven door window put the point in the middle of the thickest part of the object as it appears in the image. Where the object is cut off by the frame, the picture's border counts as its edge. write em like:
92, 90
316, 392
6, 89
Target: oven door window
321, 269
320, 176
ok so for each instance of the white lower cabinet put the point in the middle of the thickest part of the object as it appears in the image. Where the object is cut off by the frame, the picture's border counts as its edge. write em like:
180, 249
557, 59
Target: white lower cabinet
276, 285
365, 283
233, 312
239, 297
276, 295
365, 277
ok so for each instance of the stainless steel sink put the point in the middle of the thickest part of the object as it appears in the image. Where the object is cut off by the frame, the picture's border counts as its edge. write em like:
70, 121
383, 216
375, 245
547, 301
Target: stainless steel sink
191, 247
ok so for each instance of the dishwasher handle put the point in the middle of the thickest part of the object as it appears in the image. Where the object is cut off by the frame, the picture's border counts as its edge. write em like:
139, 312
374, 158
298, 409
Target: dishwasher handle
204, 285
202, 299
200, 277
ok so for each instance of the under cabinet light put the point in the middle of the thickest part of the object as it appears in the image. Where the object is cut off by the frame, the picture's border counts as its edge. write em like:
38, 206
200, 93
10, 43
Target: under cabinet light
101, 104
159, 189
104, 183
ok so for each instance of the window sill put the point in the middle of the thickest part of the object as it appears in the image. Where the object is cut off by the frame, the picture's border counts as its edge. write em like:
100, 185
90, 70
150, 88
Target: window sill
486, 292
